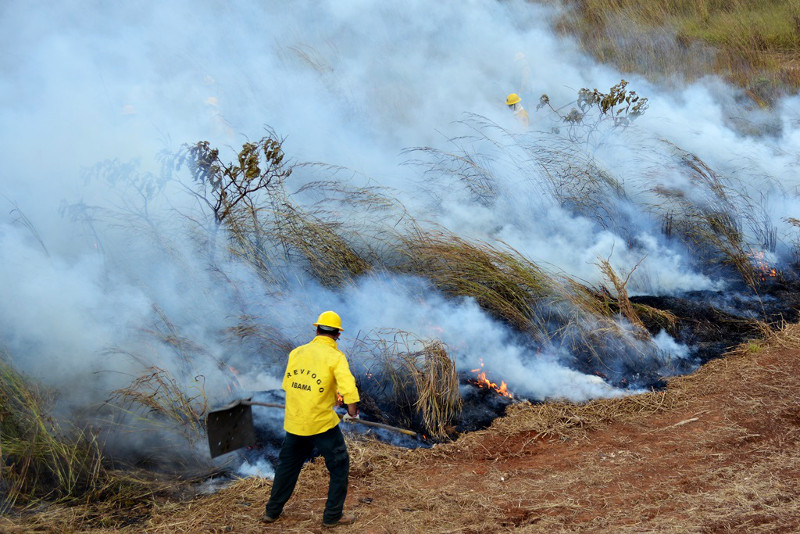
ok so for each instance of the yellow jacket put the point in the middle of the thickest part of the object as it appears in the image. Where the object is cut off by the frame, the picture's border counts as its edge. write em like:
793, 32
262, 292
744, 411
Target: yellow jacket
522, 114
314, 373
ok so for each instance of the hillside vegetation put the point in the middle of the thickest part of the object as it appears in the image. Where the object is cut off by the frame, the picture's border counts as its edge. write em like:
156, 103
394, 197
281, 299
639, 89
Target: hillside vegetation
755, 45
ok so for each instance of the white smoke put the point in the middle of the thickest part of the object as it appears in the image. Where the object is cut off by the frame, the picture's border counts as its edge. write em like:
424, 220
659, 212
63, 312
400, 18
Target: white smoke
259, 468
347, 83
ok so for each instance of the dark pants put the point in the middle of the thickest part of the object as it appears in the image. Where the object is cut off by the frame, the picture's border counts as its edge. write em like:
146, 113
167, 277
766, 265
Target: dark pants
294, 452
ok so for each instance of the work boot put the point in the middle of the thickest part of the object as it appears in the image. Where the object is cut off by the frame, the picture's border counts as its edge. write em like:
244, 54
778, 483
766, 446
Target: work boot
347, 519
268, 518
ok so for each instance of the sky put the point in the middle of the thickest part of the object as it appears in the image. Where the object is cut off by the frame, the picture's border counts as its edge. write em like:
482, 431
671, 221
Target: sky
93, 94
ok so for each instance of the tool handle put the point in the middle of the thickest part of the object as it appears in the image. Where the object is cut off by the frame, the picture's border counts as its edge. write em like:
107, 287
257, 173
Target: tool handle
381, 425
267, 404
355, 420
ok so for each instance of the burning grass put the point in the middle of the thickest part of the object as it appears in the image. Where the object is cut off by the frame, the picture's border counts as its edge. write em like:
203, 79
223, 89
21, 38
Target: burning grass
338, 238
268, 228
420, 382
720, 444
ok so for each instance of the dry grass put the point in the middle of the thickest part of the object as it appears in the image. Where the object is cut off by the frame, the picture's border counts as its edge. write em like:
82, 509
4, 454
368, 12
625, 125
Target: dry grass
514, 289
124, 498
56, 479
157, 400
549, 309
41, 460
472, 170
266, 226
501, 280
604, 303
339, 238
752, 44
565, 420
329, 256
414, 380
711, 223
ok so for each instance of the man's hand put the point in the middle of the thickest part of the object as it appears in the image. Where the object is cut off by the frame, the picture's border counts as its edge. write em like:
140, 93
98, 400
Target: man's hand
352, 413
347, 418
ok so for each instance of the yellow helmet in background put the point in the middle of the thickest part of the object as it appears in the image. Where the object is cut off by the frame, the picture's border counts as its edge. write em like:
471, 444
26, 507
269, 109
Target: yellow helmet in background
512, 99
330, 319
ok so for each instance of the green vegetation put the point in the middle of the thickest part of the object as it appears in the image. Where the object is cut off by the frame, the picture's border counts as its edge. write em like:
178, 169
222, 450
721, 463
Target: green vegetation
753, 44
225, 187
620, 105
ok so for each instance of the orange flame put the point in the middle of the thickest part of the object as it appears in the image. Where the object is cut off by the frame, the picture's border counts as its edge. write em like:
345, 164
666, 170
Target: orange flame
481, 381
762, 266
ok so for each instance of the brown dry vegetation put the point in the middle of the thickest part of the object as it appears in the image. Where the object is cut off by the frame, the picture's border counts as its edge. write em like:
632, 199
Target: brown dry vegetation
717, 451
755, 45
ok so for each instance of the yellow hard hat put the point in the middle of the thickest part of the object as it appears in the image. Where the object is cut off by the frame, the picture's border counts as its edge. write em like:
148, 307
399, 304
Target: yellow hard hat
512, 99
330, 319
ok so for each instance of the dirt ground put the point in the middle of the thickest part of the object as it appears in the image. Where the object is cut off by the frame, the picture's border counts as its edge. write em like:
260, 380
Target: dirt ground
716, 451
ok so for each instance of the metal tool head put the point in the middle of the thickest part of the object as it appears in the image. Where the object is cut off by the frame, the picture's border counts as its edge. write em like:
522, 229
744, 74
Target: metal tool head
230, 428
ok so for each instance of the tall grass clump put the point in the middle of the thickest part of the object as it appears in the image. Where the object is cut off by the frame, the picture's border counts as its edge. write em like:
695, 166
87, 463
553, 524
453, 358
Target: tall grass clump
550, 310
501, 280
41, 459
329, 257
712, 221
412, 382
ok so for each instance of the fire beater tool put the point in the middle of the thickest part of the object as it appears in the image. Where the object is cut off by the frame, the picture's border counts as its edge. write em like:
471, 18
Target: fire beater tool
231, 427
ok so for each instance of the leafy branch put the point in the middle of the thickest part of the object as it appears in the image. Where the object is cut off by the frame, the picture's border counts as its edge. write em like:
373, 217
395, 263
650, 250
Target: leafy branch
259, 167
620, 105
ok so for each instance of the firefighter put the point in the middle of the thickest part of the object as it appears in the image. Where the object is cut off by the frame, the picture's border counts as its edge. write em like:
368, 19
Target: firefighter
314, 373
514, 103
